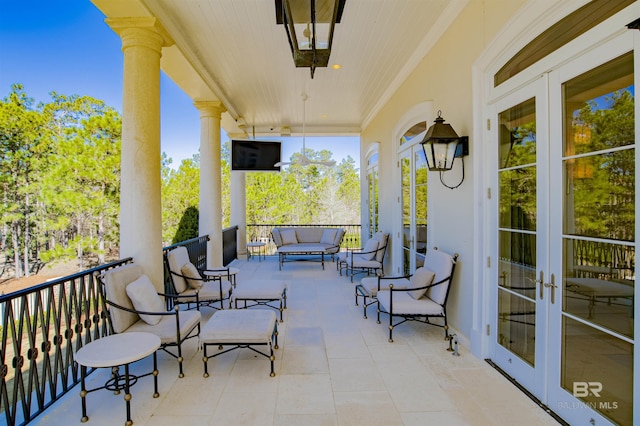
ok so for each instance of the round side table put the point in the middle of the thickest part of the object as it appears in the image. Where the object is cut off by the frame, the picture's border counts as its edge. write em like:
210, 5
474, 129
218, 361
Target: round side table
112, 352
256, 247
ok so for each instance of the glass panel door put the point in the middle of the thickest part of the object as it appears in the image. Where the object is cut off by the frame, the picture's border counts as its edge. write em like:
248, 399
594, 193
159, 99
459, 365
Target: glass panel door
593, 316
522, 229
413, 173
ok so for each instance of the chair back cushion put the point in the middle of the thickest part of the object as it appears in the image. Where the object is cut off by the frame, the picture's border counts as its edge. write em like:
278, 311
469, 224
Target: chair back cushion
144, 297
442, 264
339, 235
369, 249
329, 236
382, 242
421, 278
194, 279
177, 258
115, 283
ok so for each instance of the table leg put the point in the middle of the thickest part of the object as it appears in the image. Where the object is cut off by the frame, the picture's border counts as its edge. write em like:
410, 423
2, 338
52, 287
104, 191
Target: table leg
83, 393
155, 375
127, 394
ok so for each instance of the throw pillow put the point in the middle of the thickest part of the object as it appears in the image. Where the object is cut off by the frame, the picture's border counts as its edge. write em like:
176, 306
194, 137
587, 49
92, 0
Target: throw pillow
421, 278
192, 275
328, 236
144, 298
288, 236
369, 249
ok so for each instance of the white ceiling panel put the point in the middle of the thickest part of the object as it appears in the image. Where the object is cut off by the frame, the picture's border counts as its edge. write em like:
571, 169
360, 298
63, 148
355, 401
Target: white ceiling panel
244, 56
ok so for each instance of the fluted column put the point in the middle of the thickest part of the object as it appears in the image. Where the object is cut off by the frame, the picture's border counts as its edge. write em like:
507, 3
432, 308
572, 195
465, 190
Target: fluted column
140, 206
211, 179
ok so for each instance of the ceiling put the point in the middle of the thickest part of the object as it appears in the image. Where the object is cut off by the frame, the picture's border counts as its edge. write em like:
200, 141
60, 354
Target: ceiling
244, 59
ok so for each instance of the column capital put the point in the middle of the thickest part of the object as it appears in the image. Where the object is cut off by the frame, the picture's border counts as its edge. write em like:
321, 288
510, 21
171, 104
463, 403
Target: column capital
144, 31
239, 135
212, 109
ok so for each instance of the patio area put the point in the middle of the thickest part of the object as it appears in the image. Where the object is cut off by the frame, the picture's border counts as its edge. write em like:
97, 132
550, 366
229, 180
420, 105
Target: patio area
332, 368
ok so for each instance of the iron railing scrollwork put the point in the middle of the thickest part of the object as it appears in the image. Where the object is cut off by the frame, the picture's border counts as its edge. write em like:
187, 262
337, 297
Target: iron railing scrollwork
42, 327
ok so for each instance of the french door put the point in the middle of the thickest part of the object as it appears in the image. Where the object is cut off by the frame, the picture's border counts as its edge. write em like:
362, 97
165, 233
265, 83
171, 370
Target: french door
522, 216
413, 170
565, 215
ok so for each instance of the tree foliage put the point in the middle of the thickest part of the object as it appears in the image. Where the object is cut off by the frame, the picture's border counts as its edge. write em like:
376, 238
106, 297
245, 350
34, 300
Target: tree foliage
59, 178
60, 185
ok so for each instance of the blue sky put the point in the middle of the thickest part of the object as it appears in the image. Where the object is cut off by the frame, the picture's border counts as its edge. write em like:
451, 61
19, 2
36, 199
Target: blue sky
65, 46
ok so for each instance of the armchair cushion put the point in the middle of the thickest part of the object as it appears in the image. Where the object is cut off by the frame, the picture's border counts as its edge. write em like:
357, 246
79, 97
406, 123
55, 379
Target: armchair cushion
177, 258
404, 304
144, 297
193, 276
382, 238
116, 280
442, 264
166, 328
328, 236
289, 236
369, 249
421, 278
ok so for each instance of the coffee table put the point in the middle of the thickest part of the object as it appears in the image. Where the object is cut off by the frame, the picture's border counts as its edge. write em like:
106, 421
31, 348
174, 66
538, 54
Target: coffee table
112, 352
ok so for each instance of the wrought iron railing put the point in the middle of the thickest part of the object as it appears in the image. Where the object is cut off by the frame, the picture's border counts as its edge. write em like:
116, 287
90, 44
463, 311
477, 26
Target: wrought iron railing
42, 327
262, 232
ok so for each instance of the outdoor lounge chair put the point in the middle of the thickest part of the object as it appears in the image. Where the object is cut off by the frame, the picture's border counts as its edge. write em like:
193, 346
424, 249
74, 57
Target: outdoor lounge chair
134, 305
368, 259
426, 295
194, 286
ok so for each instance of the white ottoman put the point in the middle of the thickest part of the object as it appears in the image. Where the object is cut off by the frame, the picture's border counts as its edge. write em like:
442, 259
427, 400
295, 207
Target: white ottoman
241, 329
261, 293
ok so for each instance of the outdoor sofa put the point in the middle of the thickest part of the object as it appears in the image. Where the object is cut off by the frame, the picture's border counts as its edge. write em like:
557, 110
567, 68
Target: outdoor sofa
306, 243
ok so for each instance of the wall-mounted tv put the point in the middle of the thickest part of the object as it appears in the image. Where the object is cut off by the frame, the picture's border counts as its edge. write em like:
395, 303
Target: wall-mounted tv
254, 156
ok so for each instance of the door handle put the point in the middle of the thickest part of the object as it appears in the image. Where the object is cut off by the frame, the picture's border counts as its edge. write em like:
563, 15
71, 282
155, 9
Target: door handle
553, 287
541, 282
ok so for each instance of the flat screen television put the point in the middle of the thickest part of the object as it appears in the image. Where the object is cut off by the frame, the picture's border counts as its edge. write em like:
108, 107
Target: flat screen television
255, 156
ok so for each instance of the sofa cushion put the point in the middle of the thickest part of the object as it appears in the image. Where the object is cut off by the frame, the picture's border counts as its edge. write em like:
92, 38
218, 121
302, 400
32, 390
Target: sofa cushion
277, 238
421, 278
144, 297
193, 277
309, 234
328, 236
289, 236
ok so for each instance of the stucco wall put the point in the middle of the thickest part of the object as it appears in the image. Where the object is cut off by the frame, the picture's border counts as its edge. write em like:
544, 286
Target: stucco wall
443, 77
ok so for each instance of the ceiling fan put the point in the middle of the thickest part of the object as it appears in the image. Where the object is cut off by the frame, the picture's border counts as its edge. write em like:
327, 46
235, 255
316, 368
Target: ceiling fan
302, 159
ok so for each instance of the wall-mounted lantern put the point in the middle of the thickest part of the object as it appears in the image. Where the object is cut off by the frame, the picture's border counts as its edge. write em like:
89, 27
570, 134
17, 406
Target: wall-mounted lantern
442, 145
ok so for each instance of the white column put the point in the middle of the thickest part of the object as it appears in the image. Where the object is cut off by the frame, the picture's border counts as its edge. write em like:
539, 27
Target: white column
140, 206
239, 210
210, 222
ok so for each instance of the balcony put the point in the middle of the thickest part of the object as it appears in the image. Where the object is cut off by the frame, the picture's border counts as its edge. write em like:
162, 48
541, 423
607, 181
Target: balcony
332, 367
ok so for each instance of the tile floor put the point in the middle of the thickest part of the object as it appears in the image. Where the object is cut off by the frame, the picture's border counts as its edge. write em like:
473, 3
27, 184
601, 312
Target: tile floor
333, 368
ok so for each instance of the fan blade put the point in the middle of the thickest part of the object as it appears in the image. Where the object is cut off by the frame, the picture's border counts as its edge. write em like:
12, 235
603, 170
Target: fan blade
280, 164
324, 163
